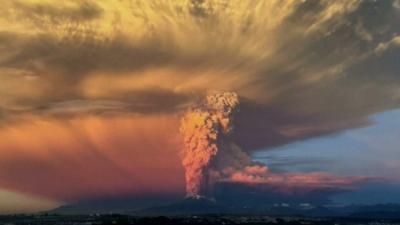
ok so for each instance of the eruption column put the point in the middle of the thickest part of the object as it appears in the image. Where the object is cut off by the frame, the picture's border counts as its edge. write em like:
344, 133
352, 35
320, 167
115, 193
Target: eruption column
203, 128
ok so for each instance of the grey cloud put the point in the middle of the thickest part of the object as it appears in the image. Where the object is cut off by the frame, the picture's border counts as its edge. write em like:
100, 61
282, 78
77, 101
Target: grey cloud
287, 163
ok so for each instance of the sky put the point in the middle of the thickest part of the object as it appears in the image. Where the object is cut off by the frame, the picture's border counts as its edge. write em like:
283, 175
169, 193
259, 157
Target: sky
357, 151
92, 94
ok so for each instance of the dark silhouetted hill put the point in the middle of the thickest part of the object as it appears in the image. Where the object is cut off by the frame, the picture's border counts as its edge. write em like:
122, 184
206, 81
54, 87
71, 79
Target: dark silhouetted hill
169, 206
121, 205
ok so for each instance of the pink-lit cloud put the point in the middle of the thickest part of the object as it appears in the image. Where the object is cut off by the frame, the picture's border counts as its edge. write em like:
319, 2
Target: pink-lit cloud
91, 156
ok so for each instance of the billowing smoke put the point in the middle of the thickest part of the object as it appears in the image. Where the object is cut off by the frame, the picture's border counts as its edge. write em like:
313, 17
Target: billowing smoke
204, 130
210, 155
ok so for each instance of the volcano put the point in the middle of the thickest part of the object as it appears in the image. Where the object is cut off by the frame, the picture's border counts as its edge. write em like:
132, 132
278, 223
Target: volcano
195, 205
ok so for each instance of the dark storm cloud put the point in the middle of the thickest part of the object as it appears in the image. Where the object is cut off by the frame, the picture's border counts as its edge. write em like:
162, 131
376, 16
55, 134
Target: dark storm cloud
281, 127
365, 82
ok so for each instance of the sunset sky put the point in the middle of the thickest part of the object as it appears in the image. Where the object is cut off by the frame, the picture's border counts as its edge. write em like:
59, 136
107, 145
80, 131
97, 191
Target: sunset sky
92, 94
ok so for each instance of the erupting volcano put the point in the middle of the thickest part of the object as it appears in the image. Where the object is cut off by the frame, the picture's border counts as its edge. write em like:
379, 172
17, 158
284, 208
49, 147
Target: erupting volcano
204, 128
210, 155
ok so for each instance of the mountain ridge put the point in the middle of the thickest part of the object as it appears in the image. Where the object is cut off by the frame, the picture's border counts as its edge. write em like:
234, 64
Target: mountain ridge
207, 206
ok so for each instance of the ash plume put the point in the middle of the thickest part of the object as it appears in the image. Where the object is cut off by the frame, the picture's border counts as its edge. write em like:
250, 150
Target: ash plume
204, 129
210, 155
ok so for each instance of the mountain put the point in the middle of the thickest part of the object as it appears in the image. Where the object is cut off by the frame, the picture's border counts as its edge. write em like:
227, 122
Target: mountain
189, 206
174, 206
195, 206
120, 205
383, 211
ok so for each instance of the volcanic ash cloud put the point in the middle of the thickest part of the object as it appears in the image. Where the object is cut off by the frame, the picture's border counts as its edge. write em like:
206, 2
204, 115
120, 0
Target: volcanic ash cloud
210, 155
204, 128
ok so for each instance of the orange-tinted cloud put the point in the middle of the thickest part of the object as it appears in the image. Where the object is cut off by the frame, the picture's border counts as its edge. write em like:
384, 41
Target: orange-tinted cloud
295, 183
92, 156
